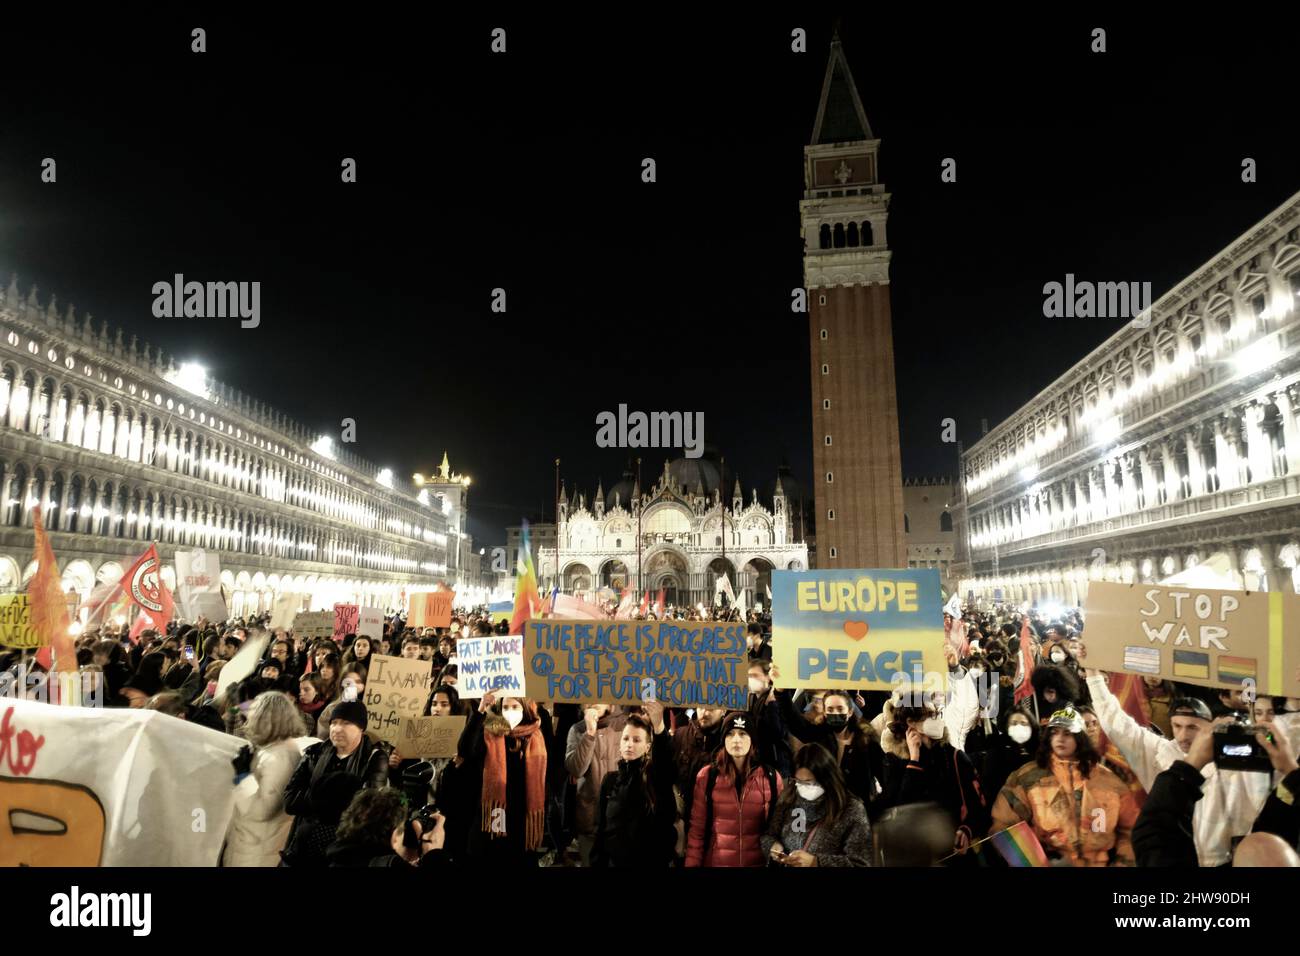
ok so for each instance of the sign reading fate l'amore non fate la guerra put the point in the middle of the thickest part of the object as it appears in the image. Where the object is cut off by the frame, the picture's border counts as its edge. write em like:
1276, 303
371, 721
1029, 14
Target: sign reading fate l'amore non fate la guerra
678, 663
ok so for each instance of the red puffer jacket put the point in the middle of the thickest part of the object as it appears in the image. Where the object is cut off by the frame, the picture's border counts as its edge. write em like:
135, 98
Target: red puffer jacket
738, 823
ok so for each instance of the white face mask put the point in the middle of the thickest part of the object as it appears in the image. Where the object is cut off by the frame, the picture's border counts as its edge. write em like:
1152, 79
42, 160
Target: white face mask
513, 717
933, 727
1058, 656
977, 672
756, 686
809, 791
1019, 733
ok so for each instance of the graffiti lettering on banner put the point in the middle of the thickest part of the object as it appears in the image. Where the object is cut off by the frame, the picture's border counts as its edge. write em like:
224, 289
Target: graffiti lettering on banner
345, 620
493, 664
16, 622
679, 664
314, 624
866, 628
396, 690
1197, 635
427, 738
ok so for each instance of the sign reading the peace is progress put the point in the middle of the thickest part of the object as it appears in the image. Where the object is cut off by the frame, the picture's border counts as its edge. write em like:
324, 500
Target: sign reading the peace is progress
678, 663
862, 629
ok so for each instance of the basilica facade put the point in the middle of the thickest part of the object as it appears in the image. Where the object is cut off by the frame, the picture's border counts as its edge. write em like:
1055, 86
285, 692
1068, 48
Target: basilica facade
678, 535
1175, 441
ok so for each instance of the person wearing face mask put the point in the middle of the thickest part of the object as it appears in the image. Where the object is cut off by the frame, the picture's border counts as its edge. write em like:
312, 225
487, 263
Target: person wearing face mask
1081, 813
852, 742
637, 812
1111, 758
735, 797
591, 752
1008, 749
922, 766
770, 734
503, 751
818, 821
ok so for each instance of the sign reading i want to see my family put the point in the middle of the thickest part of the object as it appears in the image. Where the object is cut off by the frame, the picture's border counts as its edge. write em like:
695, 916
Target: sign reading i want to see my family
678, 663
1208, 637
864, 629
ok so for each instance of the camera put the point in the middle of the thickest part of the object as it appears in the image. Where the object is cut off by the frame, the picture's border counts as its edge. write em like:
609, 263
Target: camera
1235, 747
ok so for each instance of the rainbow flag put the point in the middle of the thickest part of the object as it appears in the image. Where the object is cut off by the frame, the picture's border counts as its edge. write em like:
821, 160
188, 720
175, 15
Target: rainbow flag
1236, 669
528, 601
1019, 846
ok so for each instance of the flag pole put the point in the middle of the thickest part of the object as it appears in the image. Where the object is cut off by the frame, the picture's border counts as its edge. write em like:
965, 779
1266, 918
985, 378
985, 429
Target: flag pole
557, 581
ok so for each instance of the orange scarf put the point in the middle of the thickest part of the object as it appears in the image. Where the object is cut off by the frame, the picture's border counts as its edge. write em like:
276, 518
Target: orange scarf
494, 782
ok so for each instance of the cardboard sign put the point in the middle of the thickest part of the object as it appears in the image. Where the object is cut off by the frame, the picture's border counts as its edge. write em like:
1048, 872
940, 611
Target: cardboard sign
430, 609
314, 624
370, 623
427, 738
678, 663
210, 606
858, 629
345, 620
1200, 636
198, 572
493, 664
396, 690
245, 661
16, 622
286, 606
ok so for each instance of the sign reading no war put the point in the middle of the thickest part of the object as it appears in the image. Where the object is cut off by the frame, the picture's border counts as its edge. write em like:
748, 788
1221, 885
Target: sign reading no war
678, 663
862, 629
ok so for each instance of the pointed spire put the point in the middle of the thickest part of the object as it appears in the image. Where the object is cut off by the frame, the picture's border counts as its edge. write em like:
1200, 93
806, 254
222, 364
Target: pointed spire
840, 116
445, 468
779, 489
736, 492
600, 490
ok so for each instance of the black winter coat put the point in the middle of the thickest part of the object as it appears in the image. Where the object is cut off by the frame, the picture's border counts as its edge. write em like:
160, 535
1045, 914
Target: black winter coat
628, 833
944, 776
862, 762
369, 762
1162, 835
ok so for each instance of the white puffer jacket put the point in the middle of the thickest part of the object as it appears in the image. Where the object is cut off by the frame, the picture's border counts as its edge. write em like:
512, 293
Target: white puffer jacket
259, 826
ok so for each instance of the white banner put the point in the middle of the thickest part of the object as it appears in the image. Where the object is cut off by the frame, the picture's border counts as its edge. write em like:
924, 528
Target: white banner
370, 623
197, 572
111, 787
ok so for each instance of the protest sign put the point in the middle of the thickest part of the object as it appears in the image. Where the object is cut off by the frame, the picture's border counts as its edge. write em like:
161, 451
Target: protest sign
16, 622
429, 609
198, 572
286, 606
314, 624
1203, 636
112, 787
858, 628
427, 738
244, 662
678, 663
370, 623
345, 620
490, 664
396, 690
210, 606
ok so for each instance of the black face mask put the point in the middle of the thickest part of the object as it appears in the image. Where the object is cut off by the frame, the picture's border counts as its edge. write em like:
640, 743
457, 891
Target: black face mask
837, 722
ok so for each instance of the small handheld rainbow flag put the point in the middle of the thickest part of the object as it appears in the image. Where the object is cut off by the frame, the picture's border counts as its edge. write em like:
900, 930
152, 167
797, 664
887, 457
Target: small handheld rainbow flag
1019, 846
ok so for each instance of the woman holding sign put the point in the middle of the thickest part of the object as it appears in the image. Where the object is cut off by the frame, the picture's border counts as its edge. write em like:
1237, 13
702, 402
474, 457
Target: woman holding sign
503, 748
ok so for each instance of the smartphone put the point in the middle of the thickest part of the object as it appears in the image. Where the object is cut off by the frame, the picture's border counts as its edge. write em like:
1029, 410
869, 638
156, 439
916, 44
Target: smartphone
189, 652
349, 691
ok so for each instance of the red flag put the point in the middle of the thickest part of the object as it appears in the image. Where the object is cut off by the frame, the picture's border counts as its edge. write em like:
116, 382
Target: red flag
49, 610
144, 586
645, 604
142, 621
1131, 692
659, 604
1026, 669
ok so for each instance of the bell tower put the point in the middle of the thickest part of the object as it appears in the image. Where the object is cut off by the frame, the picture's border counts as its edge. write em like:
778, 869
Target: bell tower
857, 462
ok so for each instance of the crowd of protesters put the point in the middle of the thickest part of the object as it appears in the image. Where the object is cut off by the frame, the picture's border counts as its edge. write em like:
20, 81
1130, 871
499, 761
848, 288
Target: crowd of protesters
1106, 770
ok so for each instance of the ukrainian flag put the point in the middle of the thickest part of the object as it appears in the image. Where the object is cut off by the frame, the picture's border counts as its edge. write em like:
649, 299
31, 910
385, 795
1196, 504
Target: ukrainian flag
1192, 664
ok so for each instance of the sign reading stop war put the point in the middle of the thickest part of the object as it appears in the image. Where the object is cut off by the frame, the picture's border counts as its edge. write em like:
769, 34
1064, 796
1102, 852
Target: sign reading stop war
678, 663
425, 738
1197, 635
862, 629
16, 622
396, 691
346, 617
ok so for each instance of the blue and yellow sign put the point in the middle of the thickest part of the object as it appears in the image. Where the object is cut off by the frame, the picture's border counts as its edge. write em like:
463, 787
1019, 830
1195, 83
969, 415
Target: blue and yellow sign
861, 629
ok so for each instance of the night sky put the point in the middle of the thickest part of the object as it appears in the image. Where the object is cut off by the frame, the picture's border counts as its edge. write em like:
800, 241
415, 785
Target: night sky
523, 171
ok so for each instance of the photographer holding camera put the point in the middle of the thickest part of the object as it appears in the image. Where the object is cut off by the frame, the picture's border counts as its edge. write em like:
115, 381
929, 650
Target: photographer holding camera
1163, 834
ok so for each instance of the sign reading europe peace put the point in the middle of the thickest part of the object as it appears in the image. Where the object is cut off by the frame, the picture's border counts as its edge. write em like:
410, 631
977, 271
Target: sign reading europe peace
861, 629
